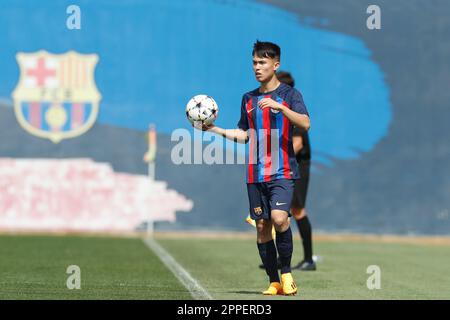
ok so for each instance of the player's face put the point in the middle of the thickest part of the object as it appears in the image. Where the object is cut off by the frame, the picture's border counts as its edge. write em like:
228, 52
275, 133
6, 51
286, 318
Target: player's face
264, 68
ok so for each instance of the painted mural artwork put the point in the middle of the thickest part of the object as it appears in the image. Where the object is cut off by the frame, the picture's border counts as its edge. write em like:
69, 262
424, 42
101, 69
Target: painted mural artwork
333, 71
80, 195
378, 103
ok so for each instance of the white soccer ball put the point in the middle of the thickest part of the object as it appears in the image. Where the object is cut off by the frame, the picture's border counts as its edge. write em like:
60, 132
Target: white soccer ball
202, 109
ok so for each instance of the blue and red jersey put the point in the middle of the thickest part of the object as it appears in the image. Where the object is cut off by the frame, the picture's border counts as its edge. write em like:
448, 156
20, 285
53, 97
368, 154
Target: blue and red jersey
271, 154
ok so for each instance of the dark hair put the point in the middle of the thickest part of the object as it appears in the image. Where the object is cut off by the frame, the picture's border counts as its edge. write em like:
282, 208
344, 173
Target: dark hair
266, 50
286, 77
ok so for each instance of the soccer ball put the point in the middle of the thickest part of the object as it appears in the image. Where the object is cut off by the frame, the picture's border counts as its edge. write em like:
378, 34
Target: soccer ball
202, 109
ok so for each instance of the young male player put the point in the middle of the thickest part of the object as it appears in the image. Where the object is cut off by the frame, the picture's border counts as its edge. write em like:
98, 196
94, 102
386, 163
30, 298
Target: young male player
268, 115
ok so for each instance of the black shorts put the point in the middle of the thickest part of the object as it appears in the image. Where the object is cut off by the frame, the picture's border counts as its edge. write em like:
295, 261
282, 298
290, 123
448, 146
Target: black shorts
267, 196
301, 185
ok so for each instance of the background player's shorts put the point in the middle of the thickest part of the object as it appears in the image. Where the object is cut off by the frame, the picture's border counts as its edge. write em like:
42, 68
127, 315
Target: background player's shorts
301, 185
267, 196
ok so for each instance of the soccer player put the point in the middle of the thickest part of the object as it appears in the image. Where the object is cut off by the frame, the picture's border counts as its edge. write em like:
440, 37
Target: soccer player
268, 115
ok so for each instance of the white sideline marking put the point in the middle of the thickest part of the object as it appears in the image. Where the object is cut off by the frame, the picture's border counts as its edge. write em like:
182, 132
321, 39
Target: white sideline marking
194, 288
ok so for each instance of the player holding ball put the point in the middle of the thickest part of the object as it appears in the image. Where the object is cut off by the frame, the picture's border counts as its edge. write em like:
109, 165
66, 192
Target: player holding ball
268, 115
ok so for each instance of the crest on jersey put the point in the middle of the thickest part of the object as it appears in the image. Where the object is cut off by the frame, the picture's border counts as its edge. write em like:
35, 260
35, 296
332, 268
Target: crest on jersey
258, 211
56, 97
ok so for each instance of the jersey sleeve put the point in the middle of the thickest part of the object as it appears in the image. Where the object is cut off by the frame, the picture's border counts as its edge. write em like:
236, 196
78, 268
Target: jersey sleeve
243, 121
297, 103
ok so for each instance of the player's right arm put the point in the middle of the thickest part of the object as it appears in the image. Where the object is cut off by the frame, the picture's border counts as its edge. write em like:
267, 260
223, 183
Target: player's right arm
240, 134
236, 135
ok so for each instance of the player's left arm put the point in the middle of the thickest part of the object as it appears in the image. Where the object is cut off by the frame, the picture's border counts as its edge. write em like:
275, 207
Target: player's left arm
297, 119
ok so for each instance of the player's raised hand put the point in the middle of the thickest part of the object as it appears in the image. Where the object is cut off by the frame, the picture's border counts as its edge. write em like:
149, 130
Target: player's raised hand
270, 103
199, 125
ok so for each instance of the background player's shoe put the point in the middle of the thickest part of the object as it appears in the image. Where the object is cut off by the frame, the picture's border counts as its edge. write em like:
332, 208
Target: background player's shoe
274, 289
305, 266
250, 221
288, 283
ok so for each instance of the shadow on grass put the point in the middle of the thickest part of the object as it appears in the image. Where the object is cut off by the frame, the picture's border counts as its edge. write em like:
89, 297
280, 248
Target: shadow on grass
245, 292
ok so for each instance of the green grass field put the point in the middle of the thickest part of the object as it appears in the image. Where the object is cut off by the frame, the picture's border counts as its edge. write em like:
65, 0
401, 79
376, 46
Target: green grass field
34, 267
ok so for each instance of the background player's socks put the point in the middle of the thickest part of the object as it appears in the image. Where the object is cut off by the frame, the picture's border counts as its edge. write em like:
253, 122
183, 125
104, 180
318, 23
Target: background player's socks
284, 246
304, 227
268, 254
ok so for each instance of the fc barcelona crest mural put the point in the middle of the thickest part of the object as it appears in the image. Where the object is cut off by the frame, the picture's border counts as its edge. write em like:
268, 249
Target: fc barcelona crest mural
56, 97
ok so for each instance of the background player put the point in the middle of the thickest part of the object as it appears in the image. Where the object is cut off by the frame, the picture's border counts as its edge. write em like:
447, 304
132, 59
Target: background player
268, 114
302, 149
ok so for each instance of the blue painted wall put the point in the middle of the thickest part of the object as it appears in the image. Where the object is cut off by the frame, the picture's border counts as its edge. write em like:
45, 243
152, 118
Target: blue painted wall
379, 100
155, 55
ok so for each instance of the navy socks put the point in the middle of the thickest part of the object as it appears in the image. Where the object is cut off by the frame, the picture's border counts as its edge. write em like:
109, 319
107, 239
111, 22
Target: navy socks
304, 227
285, 248
268, 254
